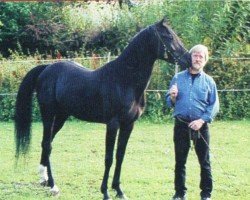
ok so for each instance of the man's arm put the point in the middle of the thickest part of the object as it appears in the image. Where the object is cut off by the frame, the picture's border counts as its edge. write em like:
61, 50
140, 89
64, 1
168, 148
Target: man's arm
172, 93
213, 107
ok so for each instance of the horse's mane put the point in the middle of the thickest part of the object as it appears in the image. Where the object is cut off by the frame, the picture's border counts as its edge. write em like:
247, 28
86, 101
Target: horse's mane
134, 56
141, 39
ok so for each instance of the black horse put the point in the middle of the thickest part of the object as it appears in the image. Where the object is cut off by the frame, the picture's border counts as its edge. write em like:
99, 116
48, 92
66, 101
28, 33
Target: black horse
112, 94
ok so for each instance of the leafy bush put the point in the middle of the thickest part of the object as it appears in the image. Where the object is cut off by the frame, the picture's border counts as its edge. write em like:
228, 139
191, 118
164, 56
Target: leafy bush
70, 28
30, 27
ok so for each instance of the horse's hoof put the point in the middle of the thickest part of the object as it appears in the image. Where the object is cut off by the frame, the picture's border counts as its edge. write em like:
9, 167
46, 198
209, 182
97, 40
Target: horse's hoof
43, 183
121, 196
43, 175
106, 196
54, 191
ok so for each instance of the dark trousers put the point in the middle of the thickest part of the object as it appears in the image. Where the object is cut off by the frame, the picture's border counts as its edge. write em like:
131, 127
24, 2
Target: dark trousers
182, 145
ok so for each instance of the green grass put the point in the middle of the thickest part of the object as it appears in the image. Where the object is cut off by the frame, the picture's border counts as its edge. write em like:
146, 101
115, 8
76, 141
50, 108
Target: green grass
148, 169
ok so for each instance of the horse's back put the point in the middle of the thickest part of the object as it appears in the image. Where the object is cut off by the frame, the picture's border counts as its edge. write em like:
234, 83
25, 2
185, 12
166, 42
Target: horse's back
72, 88
64, 73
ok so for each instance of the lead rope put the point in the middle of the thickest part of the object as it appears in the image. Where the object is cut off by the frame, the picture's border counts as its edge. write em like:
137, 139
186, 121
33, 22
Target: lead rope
193, 135
176, 70
216, 159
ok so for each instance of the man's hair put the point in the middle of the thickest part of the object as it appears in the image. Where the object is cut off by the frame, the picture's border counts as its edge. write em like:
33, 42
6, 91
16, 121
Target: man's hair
200, 48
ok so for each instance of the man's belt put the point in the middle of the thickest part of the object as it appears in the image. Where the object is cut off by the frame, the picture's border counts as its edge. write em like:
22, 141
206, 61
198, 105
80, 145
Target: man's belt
193, 135
180, 119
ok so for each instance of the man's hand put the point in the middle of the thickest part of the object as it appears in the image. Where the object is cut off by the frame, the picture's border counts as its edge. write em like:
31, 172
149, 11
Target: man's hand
173, 92
196, 124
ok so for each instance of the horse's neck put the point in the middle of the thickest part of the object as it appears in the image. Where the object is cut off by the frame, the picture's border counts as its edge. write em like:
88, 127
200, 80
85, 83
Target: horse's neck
136, 65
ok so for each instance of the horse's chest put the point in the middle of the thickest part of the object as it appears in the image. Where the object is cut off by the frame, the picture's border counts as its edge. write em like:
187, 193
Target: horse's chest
133, 112
137, 109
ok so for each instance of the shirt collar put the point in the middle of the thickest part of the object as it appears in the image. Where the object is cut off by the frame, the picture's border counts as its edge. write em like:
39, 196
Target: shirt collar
199, 74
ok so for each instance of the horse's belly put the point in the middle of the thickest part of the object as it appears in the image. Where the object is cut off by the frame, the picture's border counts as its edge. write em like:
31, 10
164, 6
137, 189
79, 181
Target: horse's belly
88, 109
90, 116
91, 119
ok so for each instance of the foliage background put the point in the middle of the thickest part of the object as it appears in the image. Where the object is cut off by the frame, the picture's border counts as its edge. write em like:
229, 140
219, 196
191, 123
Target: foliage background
30, 32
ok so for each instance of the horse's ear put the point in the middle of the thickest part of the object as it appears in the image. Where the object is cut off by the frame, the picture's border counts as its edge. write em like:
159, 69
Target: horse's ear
164, 21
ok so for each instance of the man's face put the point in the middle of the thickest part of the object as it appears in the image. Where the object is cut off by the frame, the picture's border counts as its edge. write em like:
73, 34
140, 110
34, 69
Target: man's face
198, 60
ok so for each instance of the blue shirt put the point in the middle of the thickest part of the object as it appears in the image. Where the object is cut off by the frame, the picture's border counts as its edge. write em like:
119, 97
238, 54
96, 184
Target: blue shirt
196, 99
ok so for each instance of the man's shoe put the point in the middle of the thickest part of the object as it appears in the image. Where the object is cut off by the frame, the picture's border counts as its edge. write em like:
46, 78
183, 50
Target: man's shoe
178, 197
206, 198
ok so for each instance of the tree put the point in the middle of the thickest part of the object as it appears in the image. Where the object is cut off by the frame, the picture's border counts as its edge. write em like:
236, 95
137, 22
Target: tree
28, 27
231, 28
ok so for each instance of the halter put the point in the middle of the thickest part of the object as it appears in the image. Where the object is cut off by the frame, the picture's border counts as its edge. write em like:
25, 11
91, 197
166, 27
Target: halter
166, 50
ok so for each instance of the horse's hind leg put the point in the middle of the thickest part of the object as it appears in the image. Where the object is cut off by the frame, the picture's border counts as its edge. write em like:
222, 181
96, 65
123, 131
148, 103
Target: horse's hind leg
111, 133
52, 125
58, 122
124, 134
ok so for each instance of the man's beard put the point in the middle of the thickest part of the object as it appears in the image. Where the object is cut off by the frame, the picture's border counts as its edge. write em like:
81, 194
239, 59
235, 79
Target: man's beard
196, 67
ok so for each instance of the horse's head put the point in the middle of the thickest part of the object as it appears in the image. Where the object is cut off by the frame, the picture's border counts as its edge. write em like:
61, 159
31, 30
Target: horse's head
169, 46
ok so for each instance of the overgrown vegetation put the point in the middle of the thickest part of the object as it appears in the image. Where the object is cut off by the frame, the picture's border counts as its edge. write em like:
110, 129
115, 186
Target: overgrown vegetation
32, 31
70, 28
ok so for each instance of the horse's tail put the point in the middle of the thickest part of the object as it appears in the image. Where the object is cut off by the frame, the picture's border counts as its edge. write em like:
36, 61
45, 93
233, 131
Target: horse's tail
23, 110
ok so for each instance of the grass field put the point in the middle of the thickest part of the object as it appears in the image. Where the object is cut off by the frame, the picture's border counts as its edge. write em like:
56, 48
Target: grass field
148, 169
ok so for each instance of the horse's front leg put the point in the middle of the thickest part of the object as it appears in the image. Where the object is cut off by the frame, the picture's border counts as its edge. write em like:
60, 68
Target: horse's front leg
125, 131
111, 133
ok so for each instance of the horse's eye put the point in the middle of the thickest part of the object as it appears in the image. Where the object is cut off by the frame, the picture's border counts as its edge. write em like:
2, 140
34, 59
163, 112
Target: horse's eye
168, 36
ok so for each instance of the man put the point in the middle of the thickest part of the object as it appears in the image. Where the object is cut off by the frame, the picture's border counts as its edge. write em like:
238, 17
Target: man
194, 96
